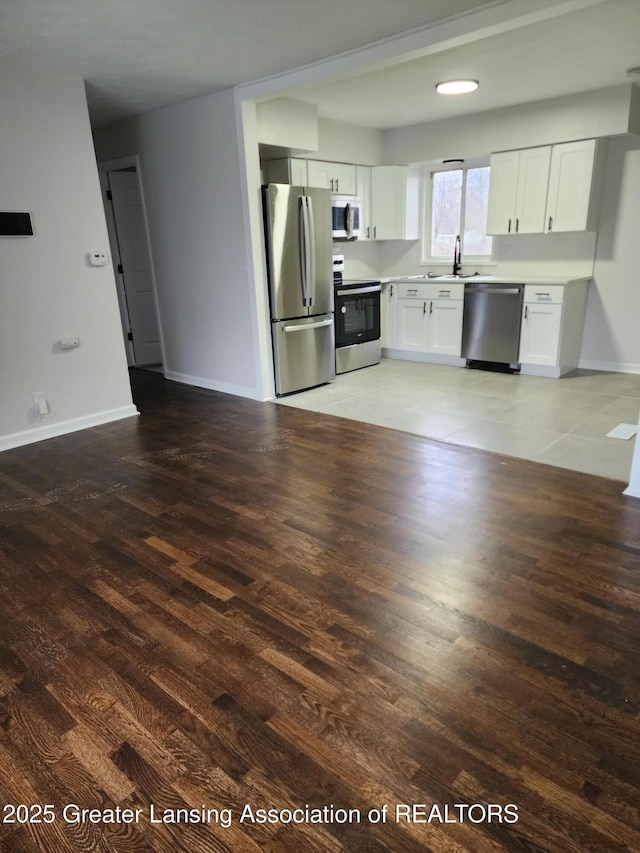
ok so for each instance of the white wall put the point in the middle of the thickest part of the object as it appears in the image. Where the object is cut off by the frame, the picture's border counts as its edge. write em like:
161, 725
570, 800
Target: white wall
48, 291
611, 338
190, 166
287, 123
605, 112
341, 142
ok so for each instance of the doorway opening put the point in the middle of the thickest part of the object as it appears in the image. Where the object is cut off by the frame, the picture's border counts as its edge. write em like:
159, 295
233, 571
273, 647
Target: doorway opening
132, 262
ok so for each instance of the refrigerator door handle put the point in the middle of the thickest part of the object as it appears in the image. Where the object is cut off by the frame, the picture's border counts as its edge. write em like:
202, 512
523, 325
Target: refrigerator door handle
311, 253
303, 326
302, 246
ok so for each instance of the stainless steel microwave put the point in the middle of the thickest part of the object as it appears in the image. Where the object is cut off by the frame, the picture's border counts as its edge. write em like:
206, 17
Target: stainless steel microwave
345, 216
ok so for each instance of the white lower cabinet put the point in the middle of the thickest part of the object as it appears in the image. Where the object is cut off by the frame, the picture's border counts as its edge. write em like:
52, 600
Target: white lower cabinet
445, 327
413, 331
388, 315
540, 335
552, 327
423, 320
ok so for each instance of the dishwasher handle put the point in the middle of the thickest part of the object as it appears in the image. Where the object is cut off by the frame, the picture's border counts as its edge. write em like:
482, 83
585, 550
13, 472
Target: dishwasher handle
500, 290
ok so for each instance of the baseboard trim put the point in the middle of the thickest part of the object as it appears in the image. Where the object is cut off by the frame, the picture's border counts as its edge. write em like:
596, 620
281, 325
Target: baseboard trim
54, 430
426, 357
631, 493
609, 366
213, 385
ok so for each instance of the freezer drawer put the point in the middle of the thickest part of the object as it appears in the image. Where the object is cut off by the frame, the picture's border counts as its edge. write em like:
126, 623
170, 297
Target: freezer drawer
303, 352
491, 323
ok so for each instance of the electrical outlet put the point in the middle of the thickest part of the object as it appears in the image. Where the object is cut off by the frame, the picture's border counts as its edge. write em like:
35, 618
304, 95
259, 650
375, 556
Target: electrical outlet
40, 403
69, 343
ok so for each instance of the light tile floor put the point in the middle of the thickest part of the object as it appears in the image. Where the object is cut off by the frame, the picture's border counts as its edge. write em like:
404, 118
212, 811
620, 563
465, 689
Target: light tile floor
560, 422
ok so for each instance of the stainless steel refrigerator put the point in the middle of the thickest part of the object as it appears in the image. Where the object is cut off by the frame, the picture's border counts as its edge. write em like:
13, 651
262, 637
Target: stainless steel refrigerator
300, 272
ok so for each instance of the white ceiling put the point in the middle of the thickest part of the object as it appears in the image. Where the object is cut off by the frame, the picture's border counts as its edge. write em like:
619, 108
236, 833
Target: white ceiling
137, 55
140, 55
583, 50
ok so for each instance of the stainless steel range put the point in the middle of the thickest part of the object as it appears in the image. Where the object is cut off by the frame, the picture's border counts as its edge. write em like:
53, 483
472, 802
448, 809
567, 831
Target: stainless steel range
357, 320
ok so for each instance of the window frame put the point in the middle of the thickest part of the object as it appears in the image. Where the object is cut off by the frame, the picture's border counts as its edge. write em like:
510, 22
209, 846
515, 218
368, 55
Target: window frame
428, 170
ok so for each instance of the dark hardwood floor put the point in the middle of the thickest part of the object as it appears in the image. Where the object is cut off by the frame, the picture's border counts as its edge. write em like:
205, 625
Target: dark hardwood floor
231, 606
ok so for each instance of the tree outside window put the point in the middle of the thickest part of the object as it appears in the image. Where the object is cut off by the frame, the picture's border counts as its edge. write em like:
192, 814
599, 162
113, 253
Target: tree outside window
459, 201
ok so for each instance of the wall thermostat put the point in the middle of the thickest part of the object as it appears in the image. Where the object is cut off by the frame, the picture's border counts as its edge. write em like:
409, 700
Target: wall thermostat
98, 259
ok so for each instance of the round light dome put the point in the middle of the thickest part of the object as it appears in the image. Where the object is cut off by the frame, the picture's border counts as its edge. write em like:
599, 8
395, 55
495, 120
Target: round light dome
456, 87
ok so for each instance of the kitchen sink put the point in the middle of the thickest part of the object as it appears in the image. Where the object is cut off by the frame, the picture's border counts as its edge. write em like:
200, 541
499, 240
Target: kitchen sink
434, 277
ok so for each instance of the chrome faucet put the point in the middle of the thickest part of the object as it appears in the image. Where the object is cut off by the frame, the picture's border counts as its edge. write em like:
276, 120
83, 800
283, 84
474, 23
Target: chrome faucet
457, 257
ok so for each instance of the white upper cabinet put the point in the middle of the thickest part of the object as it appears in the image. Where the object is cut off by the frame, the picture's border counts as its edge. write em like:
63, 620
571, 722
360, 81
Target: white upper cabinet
363, 191
290, 170
572, 202
518, 191
503, 191
551, 188
337, 177
394, 203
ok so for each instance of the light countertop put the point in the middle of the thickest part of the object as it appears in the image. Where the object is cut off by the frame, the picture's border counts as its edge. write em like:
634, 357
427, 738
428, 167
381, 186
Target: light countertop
487, 279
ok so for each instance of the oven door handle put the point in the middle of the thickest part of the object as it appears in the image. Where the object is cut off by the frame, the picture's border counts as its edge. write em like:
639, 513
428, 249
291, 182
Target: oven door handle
303, 326
376, 288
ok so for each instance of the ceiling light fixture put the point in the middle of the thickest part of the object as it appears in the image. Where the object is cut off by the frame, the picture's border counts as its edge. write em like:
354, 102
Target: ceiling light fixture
456, 87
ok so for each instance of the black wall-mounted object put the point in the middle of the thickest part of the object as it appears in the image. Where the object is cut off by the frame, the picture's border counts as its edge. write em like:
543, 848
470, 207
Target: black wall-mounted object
15, 224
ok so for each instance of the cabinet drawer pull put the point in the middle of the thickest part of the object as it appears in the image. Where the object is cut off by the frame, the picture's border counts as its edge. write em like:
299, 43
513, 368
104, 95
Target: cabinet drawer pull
547, 295
412, 290
444, 293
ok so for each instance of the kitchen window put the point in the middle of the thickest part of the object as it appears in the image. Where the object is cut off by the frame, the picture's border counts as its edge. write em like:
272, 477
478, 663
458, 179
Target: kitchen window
456, 202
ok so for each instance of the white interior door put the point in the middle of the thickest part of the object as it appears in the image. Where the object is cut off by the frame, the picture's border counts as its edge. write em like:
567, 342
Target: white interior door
135, 266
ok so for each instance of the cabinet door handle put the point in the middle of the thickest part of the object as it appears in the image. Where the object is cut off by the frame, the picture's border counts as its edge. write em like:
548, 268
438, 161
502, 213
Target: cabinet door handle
337, 185
368, 229
375, 231
391, 292
509, 228
526, 311
517, 225
431, 308
550, 222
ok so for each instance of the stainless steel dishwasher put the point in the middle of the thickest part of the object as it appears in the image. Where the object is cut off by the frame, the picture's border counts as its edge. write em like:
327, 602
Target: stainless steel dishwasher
492, 320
